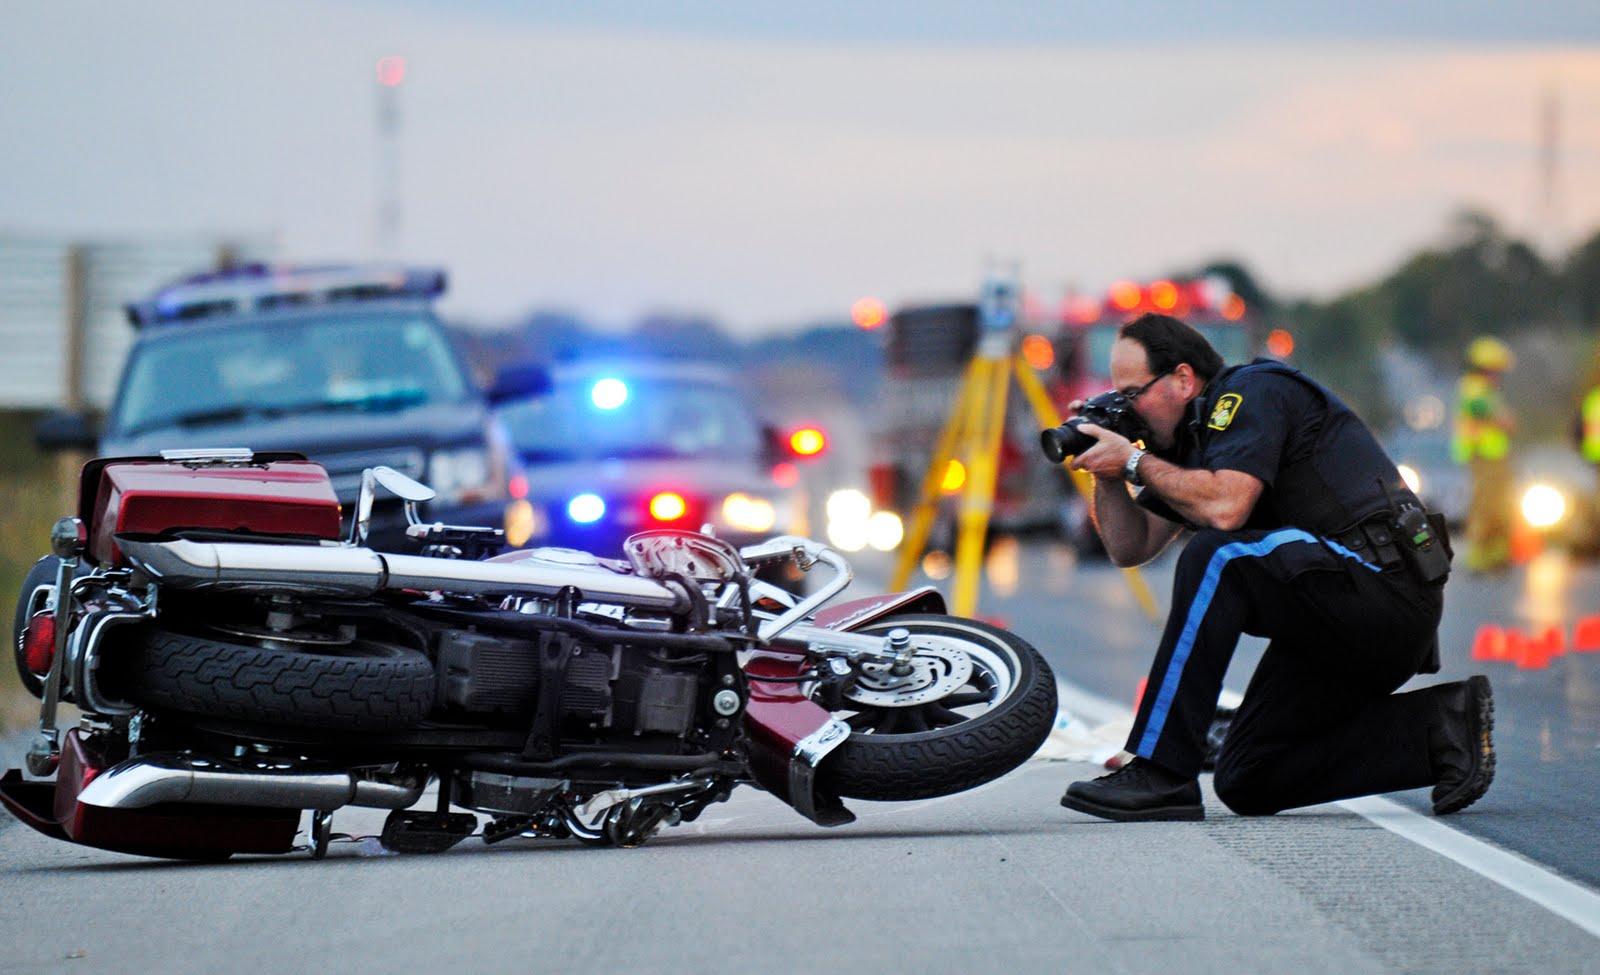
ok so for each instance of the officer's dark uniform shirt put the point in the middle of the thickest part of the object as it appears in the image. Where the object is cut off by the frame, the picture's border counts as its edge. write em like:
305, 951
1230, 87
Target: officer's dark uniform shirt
1319, 465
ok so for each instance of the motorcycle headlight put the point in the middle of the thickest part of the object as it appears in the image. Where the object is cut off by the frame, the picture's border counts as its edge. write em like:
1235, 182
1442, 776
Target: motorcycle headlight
463, 475
748, 513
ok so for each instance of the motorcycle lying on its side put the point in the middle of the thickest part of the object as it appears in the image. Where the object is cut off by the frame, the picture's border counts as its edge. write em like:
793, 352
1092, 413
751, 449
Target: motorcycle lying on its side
238, 660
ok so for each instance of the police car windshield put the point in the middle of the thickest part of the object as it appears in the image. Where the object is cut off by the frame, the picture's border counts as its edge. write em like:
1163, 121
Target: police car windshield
656, 418
346, 362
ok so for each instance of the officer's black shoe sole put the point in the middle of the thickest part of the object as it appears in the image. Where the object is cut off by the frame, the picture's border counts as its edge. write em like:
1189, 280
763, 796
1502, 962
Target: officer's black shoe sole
1155, 814
1476, 782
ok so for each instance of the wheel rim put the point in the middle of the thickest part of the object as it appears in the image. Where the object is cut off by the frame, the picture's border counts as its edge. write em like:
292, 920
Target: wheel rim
994, 677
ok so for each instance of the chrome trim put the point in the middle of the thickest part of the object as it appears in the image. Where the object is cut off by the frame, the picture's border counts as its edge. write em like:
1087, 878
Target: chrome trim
66, 540
596, 805
823, 641
460, 575
813, 748
346, 571
174, 777
824, 810
207, 455
806, 553
330, 570
85, 661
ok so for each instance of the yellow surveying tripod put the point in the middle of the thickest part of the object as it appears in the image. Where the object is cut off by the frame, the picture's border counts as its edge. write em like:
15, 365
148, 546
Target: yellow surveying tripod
972, 434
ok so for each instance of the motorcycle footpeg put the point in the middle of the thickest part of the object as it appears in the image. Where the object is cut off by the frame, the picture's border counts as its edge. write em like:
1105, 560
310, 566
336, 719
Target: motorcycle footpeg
425, 832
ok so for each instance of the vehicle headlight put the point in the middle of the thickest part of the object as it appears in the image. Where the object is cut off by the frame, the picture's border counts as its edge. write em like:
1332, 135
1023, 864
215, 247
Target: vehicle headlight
849, 513
885, 531
1411, 477
748, 513
1543, 506
463, 475
525, 521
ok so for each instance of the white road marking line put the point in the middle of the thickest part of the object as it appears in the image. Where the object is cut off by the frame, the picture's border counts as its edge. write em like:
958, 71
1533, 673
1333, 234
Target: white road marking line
1556, 894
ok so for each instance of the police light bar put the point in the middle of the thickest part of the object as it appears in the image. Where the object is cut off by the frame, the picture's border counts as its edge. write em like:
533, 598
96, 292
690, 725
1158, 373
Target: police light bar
259, 287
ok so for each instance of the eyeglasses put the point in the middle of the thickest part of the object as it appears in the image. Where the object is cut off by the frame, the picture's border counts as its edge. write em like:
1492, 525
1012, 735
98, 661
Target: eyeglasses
1133, 394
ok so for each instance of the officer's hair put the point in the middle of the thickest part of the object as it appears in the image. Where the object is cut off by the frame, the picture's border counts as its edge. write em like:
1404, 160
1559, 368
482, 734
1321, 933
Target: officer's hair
1168, 342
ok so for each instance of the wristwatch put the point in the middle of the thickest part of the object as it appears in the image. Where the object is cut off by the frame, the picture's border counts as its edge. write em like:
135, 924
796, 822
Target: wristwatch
1130, 469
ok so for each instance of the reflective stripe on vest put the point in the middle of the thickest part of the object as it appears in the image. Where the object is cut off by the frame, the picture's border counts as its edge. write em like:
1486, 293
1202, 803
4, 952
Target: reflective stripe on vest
1591, 426
1479, 432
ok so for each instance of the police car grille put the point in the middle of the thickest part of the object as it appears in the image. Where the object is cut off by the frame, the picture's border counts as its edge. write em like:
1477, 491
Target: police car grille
345, 469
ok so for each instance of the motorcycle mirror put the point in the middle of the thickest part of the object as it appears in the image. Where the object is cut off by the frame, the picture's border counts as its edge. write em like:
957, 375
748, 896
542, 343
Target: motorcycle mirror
403, 487
411, 491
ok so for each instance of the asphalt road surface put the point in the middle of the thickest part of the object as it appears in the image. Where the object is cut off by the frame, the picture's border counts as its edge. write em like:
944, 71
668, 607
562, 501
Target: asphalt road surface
997, 878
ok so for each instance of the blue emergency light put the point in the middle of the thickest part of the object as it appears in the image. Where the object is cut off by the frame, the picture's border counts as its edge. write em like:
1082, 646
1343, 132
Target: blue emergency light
586, 509
608, 393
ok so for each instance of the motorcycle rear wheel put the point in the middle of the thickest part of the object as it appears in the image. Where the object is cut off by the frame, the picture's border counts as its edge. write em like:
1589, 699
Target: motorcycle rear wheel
891, 765
364, 686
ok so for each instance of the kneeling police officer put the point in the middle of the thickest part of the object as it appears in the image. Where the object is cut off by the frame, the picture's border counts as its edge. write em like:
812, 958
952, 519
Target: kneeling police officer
1304, 534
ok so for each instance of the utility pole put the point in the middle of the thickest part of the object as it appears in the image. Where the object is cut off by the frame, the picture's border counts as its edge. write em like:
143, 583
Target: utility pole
1550, 230
391, 75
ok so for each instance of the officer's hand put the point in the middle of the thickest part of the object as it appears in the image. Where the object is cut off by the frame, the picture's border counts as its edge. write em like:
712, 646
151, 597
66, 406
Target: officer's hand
1104, 459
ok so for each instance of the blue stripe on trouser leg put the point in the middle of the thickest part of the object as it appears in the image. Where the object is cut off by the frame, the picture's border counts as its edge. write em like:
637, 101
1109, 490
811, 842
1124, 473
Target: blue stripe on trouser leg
1197, 614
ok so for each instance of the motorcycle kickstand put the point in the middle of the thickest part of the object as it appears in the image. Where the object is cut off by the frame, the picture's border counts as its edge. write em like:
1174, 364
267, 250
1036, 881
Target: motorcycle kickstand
321, 832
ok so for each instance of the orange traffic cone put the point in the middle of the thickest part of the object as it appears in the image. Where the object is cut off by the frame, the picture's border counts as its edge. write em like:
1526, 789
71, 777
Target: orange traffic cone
1489, 644
1527, 654
1525, 544
1586, 635
1552, 641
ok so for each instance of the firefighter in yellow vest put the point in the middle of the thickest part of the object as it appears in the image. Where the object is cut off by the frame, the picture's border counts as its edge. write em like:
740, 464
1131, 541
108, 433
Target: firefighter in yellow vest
1588, 437
1483, 443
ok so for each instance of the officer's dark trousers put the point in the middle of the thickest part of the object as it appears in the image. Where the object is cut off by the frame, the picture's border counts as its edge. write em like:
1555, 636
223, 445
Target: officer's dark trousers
1319, 720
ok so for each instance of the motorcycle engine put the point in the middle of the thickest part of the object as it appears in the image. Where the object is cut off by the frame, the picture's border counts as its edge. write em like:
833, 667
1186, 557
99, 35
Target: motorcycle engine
602, 689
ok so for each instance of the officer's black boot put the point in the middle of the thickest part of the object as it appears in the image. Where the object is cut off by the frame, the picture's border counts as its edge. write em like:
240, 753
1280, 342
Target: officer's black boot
1138, 792
1462, 745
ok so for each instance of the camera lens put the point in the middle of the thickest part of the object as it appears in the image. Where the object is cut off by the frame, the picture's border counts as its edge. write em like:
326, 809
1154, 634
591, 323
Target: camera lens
1065, 441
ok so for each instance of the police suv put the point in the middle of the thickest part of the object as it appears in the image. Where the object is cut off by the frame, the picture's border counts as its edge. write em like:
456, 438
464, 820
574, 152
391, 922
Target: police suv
347, 365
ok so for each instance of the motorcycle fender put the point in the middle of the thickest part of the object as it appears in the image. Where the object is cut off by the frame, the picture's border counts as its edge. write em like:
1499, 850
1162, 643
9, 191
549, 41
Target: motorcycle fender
789, 735
167, 830
859, 612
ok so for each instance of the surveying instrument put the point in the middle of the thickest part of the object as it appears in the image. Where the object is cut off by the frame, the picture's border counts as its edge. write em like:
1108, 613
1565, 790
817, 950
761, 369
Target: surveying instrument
972, 435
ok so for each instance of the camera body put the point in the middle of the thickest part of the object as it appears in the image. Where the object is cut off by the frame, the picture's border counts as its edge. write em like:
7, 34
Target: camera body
1110, 410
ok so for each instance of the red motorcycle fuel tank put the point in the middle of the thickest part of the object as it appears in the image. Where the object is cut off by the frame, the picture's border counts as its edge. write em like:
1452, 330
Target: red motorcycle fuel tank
279, 494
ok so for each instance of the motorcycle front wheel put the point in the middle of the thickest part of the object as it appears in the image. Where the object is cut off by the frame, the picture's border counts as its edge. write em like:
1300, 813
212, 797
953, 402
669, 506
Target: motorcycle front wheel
992, 721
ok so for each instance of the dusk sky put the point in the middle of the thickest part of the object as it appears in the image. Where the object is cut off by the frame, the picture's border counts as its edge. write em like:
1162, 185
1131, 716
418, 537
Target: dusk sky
769, 165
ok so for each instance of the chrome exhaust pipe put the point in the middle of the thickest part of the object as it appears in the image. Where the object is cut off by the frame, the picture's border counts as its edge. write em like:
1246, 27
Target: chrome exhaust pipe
173, 777
340, 570
333, 570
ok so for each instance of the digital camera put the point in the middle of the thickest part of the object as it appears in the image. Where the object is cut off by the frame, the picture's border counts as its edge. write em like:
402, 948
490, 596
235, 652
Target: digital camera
1110, 410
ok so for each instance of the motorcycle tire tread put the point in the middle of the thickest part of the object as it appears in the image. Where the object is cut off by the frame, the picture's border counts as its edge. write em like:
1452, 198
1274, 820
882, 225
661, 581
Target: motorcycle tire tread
926, 765
387, 689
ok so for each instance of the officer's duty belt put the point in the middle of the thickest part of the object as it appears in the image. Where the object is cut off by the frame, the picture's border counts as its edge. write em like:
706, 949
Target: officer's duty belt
1373, 542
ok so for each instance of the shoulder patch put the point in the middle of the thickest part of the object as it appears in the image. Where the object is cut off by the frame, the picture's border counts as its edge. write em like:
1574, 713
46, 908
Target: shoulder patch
1226, 409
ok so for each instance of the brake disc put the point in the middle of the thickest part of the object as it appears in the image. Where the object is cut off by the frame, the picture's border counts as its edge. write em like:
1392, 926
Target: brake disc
936, 672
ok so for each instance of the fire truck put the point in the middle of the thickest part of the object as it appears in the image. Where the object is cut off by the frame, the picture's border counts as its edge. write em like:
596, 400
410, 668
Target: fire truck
1089, 327
928, 346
